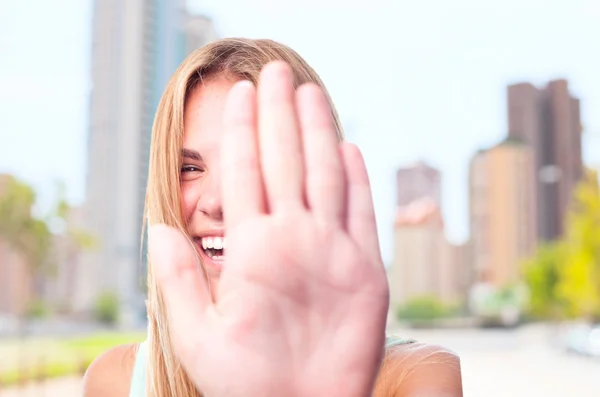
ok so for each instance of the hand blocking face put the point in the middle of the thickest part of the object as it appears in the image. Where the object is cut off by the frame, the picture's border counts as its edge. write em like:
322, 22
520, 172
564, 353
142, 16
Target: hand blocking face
302, 300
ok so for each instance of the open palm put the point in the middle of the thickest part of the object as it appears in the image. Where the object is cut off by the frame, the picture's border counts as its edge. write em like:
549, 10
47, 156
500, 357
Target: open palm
301, 303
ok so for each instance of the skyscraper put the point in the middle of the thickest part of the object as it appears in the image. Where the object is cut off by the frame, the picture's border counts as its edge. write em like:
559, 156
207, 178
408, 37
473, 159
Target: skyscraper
417, 181
418, 251
425, 263
137, 45
502, 212
548, 120
199, 30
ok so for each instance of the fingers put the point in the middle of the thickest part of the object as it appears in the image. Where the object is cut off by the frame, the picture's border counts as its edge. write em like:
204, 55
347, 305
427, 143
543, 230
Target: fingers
360, 213
279, 139
268, 165
184, 289
242, 182
325, 182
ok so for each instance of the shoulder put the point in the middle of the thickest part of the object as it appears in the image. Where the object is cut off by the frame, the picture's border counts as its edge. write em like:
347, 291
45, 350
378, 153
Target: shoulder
418, 369
110, 374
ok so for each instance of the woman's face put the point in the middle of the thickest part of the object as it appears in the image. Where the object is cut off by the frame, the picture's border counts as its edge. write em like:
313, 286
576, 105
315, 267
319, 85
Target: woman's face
200, 173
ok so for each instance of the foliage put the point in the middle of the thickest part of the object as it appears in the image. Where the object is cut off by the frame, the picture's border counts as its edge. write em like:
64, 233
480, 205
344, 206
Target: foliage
60, 213
25, 233
31, 236
564, 277
37, 309
542, 277
107, 308
579, 277
423, 308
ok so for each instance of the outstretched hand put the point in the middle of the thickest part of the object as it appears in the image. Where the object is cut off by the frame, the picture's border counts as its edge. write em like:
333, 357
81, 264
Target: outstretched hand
301, 304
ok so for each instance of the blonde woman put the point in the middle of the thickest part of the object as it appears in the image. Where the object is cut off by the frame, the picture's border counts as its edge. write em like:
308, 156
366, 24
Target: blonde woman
265, 276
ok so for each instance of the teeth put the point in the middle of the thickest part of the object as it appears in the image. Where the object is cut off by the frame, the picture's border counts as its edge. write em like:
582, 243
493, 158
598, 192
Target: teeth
218, 243
213, 242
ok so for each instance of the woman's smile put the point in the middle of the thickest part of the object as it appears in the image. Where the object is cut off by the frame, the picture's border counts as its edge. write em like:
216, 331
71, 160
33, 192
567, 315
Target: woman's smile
212, 249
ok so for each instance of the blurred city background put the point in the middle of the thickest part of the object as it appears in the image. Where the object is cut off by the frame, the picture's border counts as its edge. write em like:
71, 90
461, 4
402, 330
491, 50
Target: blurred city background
479, 122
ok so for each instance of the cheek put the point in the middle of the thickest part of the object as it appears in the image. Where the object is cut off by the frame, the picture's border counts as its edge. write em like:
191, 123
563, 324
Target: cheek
190, 193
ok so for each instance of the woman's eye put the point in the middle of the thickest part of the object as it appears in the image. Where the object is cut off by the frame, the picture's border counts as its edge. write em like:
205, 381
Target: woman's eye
191, 168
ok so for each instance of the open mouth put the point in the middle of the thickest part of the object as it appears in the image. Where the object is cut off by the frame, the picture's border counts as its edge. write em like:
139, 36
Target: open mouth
213, 247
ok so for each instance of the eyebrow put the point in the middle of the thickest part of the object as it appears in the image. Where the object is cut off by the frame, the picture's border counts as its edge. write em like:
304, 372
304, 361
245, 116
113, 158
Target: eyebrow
191, 154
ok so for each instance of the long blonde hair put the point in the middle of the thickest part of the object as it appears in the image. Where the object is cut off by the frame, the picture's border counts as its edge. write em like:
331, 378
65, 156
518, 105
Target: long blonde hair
234, 58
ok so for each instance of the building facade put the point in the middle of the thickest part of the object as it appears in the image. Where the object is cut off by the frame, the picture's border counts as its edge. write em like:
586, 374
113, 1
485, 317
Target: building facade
419, 247
548, 120
418, 181
502, 212
137, 45
425, 264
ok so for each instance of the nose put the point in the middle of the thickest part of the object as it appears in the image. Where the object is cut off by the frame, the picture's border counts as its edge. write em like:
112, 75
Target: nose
209, 202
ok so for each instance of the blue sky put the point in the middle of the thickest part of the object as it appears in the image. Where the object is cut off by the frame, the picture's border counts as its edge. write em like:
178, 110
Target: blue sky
411, 80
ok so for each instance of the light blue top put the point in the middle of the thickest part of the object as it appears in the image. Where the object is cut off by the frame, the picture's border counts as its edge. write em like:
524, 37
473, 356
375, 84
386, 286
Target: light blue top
138, 381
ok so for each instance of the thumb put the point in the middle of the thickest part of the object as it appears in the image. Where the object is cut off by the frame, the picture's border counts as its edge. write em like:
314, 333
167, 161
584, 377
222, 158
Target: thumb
184, 288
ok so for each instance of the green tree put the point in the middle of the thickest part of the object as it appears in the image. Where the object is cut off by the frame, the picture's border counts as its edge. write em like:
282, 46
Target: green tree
19, 228
579, 278
31, 236
23, 232
541, 276
107, 308
423, 308
564, 276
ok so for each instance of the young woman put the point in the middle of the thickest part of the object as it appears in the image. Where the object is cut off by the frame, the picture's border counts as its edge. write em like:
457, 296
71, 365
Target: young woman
265, 276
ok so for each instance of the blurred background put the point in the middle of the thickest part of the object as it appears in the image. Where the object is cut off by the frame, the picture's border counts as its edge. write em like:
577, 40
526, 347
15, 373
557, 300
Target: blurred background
479, 122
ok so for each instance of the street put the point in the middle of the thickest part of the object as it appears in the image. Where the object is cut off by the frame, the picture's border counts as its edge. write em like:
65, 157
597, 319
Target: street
515, 363
495, 363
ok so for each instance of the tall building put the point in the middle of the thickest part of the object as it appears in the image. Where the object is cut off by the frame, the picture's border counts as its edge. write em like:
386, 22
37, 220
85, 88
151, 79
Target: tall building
548, 120
417, 181
455, 273
137, 45
418, 242
502, 211
425, 263
199, 30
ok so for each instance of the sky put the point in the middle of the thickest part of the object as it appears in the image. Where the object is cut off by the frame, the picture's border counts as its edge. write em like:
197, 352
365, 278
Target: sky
411, 80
